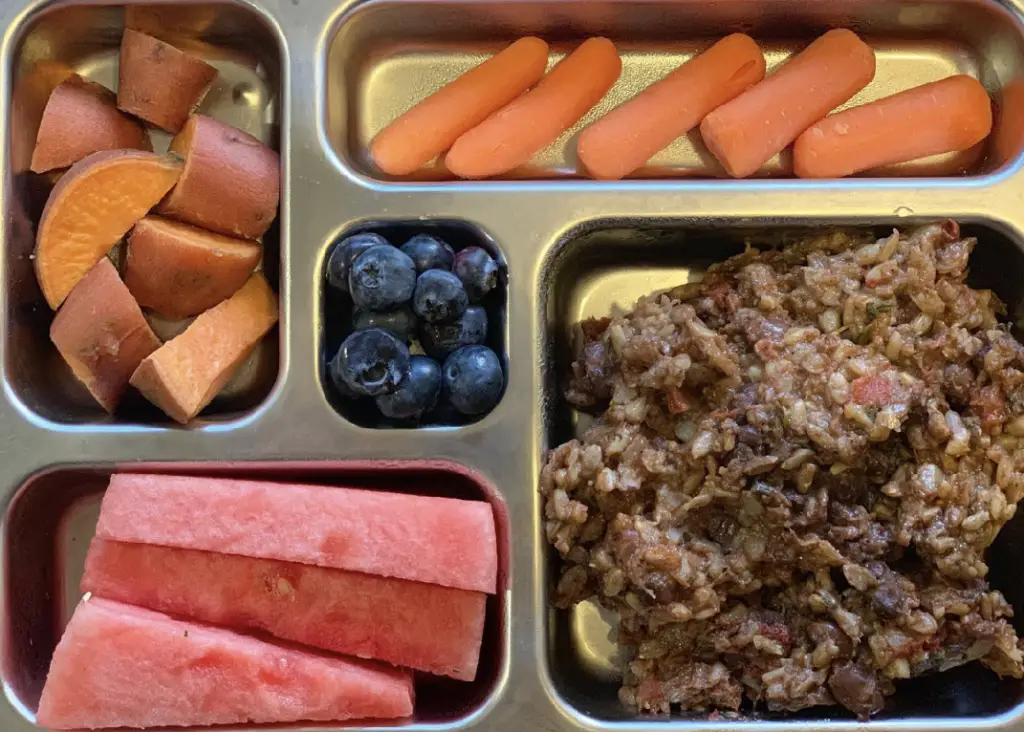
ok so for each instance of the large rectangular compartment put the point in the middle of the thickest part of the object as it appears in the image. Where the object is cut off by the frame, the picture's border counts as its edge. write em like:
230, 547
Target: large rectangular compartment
609, 266
247, 94
52, 519
387, 55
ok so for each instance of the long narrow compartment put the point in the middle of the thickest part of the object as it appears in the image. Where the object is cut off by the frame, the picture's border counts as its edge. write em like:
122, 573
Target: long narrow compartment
387, 55
52, 519
607, 267
247, 94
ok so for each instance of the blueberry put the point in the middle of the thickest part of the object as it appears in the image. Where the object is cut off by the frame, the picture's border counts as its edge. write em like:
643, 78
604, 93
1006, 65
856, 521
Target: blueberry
473, 379
381, 279
429, 252
444, 413
416, 394
370, 362
439, 296
340, 261
477, 270
401, 322
339, 384
441, 339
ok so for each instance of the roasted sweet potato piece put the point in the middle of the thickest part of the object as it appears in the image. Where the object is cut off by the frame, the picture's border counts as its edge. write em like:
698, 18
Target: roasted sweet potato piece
101, 333
180, 270
185, 374
95, 203
29, 97
81, 117
160, 83
231, 182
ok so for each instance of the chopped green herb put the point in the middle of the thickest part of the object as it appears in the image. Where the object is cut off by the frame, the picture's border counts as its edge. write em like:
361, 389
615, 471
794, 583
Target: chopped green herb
877, 308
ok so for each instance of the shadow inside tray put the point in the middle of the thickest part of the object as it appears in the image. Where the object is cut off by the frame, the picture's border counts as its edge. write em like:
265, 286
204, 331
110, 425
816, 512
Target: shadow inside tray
609, 265
52, 519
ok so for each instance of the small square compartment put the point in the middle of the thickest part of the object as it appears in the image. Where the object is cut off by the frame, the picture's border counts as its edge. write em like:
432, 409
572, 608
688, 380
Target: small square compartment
52, 519
336, 311
247, 94
614, 264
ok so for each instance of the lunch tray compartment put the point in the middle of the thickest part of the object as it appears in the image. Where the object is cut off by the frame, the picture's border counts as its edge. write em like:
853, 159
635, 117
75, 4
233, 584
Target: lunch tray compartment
389, 55
52, 519
247, 94
610, 266
317, 80
336, 311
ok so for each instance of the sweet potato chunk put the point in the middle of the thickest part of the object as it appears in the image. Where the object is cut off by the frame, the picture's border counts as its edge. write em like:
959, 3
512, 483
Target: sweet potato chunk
185, 374
231, 182
31, 92
101, 333
95, 203
81, 117
160, 83
180, 270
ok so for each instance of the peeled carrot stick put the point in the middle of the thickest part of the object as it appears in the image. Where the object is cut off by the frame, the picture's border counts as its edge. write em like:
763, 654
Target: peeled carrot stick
627, 137
941, 117
510, 136
746, 132
430, 128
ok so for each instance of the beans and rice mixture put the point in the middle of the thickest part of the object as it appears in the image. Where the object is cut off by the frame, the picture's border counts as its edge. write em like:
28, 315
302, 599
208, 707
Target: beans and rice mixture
798, 465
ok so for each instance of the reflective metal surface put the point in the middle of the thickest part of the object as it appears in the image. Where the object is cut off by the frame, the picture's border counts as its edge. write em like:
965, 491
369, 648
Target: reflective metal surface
320, 78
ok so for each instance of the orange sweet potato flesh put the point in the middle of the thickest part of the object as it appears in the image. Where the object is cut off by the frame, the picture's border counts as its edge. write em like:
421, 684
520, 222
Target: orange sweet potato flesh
81, 117
185, 374
231, 182
159, 83
95, 203
102, 335
180, 270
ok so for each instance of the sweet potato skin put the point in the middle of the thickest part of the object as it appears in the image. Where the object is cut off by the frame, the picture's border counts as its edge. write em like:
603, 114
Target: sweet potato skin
186, 373
231, 183
158, 82
93, 205
180, 270
29, 97
80, 118
102, 335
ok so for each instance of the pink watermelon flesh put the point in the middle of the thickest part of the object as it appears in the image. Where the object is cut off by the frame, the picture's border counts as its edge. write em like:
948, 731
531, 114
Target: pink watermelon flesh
442, 541
426, 627
122, 666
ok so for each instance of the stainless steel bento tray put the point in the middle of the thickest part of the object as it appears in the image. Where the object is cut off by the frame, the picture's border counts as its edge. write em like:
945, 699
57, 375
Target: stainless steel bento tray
317, 79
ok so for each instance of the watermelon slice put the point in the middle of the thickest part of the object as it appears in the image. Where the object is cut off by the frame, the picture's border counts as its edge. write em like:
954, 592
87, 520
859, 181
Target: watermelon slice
442, 541
122, 666
426, 627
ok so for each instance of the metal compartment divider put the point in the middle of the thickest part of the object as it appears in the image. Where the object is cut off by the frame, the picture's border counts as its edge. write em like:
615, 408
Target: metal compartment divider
529, 221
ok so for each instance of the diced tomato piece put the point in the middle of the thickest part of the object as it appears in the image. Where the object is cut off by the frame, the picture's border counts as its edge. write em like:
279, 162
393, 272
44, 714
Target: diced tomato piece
676, 400
990, 405
873, 390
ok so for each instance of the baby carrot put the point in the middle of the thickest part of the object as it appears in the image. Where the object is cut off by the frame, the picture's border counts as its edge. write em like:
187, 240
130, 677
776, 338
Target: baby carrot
746, 132
941, 117
510, 137
627, 137
430, 128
